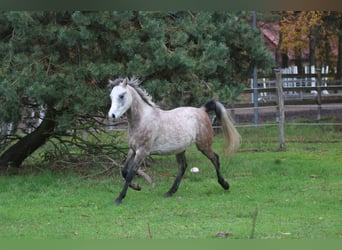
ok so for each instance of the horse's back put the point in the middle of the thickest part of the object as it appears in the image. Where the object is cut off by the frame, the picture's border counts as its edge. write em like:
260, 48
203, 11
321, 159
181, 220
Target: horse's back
179, 128
184, 119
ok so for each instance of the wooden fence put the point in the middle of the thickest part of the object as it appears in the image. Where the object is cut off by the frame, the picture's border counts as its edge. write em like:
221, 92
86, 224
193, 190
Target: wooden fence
283, 90
301, 90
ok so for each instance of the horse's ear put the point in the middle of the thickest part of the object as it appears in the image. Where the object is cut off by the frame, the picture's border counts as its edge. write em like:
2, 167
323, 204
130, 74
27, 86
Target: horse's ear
116, 82
125, 82
110, 84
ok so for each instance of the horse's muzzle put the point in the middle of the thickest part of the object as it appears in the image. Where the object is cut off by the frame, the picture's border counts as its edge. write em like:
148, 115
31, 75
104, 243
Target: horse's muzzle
111, 115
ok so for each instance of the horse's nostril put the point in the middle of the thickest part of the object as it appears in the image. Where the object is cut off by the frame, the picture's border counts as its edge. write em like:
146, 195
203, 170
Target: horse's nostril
113, 116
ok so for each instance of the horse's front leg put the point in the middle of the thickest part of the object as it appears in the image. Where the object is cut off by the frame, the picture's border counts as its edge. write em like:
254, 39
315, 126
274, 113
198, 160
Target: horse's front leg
129, 171
127, 167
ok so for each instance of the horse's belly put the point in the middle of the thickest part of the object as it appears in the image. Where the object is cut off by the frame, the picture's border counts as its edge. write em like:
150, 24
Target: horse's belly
168, 149
171, 145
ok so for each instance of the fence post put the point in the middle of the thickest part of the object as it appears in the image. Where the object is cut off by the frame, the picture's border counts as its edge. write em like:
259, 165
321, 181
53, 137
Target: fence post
255, 83
280, 108
255, 96
319, 93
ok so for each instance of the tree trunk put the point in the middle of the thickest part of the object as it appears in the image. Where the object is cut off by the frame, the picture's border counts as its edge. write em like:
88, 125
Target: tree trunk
312, 48
278, 51
16, 154
298, 60
339, 59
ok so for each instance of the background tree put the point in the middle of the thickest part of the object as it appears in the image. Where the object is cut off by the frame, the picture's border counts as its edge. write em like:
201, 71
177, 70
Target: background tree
333, 24
59, 63
301, 31
319, 32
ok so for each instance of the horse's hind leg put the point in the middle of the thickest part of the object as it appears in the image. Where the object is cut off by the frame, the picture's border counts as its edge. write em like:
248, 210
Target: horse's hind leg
214, 158
181, 160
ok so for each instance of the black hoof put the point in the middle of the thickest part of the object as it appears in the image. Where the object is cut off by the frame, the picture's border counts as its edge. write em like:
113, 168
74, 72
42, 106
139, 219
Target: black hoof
135, 186
225, 186
168, 194
117, 201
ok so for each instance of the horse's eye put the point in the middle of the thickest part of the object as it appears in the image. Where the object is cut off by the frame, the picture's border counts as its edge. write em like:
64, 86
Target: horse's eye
121, 97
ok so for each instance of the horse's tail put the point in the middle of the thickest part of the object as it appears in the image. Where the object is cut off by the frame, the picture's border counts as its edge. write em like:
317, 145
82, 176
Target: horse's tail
232, 137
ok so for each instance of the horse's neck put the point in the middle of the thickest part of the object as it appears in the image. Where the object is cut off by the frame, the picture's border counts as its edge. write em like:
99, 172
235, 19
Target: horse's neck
138, 110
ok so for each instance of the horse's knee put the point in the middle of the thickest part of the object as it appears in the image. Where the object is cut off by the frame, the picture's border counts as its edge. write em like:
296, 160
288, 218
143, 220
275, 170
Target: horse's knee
124, 172
129, 175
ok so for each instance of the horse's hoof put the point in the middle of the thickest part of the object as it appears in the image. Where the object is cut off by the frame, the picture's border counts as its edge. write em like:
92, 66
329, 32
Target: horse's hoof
135, 186
168, 194
117, 201
226, 186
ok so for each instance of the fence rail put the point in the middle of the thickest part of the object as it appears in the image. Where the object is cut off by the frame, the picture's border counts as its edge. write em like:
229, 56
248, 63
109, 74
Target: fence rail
302, 89
284, 90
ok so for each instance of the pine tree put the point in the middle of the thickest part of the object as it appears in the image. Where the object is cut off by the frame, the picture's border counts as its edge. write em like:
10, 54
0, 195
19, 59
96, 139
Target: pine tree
60, 62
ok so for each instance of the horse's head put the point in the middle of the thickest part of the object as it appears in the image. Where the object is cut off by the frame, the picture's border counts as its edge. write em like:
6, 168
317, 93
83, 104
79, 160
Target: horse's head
120, 96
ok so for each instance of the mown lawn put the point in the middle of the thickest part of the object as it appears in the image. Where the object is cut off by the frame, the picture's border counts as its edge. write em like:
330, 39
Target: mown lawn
295, 194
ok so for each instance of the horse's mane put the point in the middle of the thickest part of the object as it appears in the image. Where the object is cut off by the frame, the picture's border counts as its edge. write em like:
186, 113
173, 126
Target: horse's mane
134, 82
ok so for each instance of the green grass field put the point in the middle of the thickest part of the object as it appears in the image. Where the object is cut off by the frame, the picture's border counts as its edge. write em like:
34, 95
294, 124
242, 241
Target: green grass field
295, 194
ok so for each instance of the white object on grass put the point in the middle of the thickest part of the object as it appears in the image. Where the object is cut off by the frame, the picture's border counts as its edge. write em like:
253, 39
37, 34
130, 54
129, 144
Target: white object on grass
194, 170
